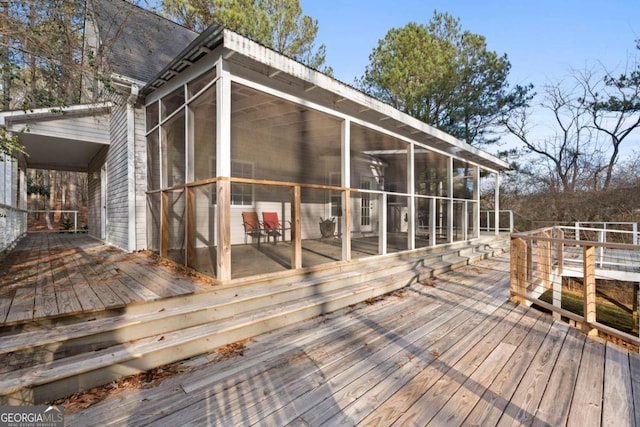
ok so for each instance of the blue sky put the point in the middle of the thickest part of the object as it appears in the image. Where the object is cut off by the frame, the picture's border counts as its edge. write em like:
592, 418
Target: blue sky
543, 39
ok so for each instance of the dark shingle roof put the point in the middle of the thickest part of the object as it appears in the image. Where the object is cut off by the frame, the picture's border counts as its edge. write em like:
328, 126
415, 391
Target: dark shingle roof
138, 43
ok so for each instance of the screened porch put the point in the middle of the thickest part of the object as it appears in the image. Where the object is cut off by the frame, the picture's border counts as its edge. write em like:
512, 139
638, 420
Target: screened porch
221, 146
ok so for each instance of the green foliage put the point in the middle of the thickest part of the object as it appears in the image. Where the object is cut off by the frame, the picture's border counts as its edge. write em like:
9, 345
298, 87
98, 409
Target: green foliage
443, 76
9, 144
277, 24
41, 53
36, 188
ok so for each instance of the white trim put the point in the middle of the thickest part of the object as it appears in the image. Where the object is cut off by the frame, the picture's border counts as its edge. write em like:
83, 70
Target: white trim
131, 176
52, 111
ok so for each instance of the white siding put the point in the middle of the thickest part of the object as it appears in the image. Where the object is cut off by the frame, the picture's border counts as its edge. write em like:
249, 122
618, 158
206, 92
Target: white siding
92, 128
95, 213
117, 178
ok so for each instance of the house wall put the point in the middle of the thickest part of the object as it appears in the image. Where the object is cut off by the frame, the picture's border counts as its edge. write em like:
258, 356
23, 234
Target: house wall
94, 189
117, 176
13, 216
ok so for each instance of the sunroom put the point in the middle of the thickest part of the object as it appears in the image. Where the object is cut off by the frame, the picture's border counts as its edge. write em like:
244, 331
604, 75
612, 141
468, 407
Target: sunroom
257, 164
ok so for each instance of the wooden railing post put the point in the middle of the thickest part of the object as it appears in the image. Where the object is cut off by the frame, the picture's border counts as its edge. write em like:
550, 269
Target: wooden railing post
164, 223
518, 270
544, 260
346, 225
190, 228
636, 303
223, 212
296, 235
560, 250
589, 288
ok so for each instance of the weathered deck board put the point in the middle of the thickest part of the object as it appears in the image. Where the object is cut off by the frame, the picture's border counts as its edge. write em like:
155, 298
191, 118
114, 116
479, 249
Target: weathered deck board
455, 353
551, 410
523, 404
618, 407
51, 275
458, 351
586, 408
634, 364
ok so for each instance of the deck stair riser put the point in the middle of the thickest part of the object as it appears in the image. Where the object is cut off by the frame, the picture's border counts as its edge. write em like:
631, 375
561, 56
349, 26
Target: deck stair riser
69, 357
66, 376
179, 313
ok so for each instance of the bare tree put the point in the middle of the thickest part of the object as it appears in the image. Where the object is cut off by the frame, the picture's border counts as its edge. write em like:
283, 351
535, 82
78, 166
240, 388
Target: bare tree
613, 104
564, 152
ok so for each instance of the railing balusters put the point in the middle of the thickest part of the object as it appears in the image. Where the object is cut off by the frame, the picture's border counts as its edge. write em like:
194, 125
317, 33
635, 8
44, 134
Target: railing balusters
541, 259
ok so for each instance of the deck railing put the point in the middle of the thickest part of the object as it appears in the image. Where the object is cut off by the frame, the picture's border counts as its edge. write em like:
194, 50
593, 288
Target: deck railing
70, 224
586, 275
13, 225
488, 220
188, 218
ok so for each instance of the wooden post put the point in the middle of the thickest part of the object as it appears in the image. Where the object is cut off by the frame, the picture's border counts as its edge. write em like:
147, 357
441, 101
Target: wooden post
636, 303
560, 251
518, 270
346, 225
164, 223
223, 219
544, 260
296, 235
589, 289
529, 268
190, 228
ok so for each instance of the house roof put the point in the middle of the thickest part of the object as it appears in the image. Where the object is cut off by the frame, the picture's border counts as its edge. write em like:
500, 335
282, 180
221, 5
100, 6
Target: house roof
320, 87
66, 138
138, 43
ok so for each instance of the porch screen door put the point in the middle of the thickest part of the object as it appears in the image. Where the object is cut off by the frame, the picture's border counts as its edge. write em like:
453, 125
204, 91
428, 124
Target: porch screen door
366, 205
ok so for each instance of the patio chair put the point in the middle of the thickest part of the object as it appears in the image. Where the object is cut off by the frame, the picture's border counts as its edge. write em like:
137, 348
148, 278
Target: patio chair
252, 226
272, 226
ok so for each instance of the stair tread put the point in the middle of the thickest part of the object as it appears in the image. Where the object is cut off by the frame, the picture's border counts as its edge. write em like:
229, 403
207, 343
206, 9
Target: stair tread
60, 333
61, 368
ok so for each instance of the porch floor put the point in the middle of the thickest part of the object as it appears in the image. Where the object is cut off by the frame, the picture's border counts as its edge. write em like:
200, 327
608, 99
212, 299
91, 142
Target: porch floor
52, 275
454, 351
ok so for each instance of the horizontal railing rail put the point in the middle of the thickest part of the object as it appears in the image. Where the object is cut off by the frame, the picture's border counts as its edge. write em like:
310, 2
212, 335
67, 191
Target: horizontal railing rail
505, 221
587, 275
70, 227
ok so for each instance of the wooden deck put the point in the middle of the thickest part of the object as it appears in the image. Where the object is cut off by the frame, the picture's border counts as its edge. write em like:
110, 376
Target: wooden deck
453, 351
51, 275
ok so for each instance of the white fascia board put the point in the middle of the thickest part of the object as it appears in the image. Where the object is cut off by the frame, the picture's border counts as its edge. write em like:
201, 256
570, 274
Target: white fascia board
246, 47
21, 115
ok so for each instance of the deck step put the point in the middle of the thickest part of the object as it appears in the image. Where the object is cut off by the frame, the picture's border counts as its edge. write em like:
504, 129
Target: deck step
173, 313
88, 369
50, 363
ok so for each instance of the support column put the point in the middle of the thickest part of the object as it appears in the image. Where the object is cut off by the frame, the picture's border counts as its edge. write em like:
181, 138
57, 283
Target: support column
223, 168
346, 196
296, 235
496, 202
450, 200
411, 214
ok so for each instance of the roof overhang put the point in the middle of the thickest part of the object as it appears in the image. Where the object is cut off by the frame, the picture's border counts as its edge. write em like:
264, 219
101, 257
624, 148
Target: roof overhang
323, 89
65, 138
